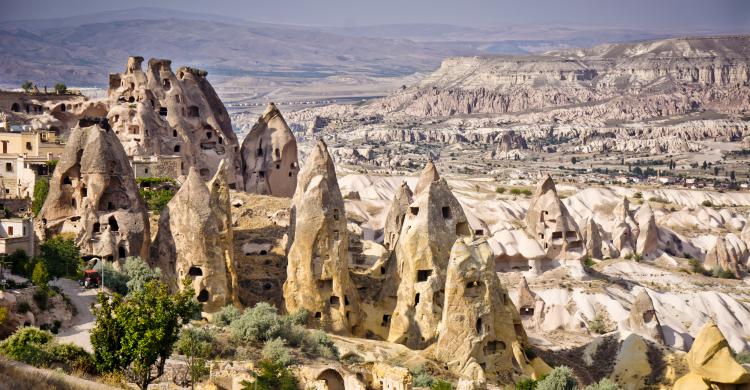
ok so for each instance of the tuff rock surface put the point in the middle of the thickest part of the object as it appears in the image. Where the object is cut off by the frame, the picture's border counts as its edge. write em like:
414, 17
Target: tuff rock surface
643, 320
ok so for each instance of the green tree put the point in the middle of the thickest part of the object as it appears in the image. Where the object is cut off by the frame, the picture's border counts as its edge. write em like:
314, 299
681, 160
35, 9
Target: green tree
27, 85
139, 332
40, 276
18, 262
61, 256
41, 189
61, 88
560, 378
196, 345
139, 273
271, 376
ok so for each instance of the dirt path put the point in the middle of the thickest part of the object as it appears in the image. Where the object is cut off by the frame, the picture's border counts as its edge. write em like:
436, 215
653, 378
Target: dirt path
78, 332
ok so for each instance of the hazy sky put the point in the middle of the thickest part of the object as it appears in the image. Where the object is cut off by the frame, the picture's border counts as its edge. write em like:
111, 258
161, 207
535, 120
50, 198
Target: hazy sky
682, 14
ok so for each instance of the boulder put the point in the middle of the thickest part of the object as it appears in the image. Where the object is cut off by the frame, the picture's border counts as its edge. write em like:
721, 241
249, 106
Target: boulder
643, 320
269, 156
396, 215
195, 240
632, 368
647, 241
318, 257
159, 113
93, 196
549, 222
711, 362
433, 222
480, 323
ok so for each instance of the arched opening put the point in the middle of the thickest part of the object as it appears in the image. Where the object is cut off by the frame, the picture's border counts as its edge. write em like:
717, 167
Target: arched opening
66, 180
277, 152
203, 296
195, 271
479, 325
15, 107
113, 224
73, 203
84, 192
121, 252
526, 311
333, 380
62, 108
174, 133
131, 99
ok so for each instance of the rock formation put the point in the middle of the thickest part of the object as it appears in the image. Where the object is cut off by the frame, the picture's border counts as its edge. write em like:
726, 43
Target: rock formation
434, 221
195, 240
93, 195
647, 241
724, 256
625, 230
160, 113
712, 364
549, 222
479, 321
530, 306
318, 259
269, 156
592, 238
396, 216
643, 320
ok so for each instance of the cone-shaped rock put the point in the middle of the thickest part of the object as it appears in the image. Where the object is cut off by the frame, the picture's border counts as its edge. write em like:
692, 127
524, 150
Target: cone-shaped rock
711, 363
479, 323
643, 320
269, 156
396, 216
549, 222
194, 241
93, 195
433, 222
160, 113
528, 300
318, 259
647, 241
429, 175
592, 238
626, 230
724, 256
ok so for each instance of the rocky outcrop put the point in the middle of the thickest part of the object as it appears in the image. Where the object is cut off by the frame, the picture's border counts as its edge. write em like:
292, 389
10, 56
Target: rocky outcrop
643, 320
549, 222
530, 306
625, 230
158, 112
592, 238
647, 241
434, 220
396, 216
93, 195
479, 322
318, 258
195, 240
711, 363
269, 156
724, 256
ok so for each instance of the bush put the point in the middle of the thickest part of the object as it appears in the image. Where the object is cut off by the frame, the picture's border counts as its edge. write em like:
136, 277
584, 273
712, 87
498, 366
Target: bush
638, 195
19, 262
139, 273
61, 256
421, 378
526, 384
526, 192
262, 323
41, 189
3, 315
40, 276
718, 272
38, 348
604, 384
515, 191
196, 344
156, 200
41, 298
441, 385
500, 190
226, 315
317, 343
61, 88
600, 323
707, 203
560, 378
587, 262
23, 307
112, 279
271, 376
276, 351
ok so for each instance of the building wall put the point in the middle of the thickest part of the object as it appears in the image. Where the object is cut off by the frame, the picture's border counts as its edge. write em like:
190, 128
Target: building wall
157, 166
17, 233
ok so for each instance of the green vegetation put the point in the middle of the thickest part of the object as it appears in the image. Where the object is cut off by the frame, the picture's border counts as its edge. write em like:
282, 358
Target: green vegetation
20, 263
515, 191
560, 378
718, 272
422, 378
276, 351
600, 323
3, 315
156, 192
23, 307
41, 189
500, 190
696, 266
136, 273
195, 344
40, 276
742, 357
604, 384
27, 86
707, 203
41, 298
226, 315
588, 262
638, 195
139, 332
38, 348
61, 88
61, 256
271, 376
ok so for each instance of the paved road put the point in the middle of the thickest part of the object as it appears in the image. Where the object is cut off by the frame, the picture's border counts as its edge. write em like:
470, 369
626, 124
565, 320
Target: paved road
78, 332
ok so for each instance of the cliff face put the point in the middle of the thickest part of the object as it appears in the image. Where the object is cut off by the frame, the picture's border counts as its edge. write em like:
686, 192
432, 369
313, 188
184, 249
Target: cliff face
160, 112
669, 76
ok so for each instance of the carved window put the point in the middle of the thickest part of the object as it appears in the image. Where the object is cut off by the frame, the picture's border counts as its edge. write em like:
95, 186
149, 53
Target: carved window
334, 301
203, 296
446, 212
113, 226
195, 271
423, 275
414, 210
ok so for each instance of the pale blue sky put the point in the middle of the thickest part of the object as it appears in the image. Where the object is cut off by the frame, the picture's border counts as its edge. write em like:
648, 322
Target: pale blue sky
638, 14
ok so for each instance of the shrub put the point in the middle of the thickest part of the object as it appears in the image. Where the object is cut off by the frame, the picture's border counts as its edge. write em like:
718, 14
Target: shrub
421, 378
196, 345
707, 203
718, 272
560, 378
600, 324
587, 262
156, 200
526, 384
604, 384
112, 279
441, 385
23, 307
38, 348
41, 298
3, 315
271, 376
637, 257
500, 190
696, 266
41, 189
19, 262
61, 88
317, 343
262, 323
276, 351
40, 276
226, 315
515, 191
61, 256
526, 192
638, 195
139, 273
743, 357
